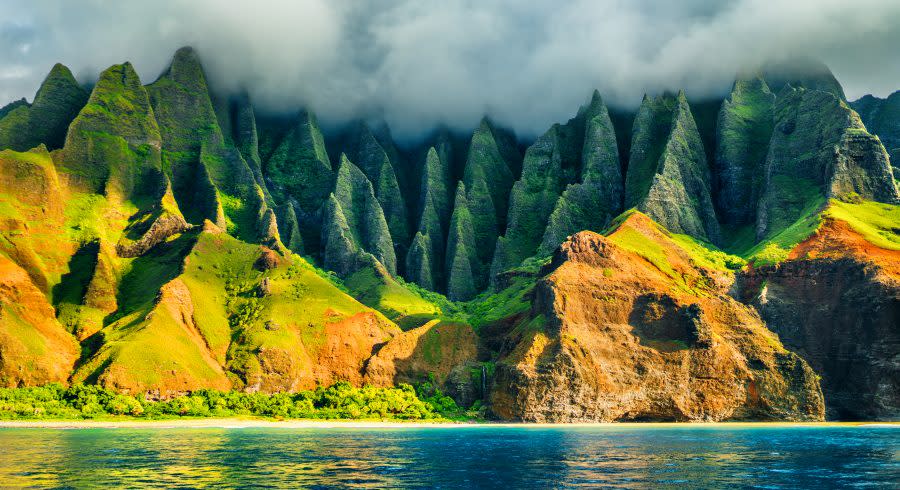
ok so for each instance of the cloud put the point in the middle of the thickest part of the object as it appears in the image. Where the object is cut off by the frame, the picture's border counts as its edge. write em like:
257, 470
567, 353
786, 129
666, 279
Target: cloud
419, 64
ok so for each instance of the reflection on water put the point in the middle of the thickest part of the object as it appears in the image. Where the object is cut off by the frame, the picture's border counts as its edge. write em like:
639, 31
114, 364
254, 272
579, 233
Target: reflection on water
515, 457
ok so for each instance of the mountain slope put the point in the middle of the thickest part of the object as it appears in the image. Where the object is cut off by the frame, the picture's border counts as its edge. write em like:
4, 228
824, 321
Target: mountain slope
819, 149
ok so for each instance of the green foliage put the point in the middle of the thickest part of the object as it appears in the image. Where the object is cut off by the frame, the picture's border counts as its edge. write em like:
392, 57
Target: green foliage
744, 128
488, 179
707, 254
113, 143
393, 297
339, 401
534, 197
366, 223
778, 245
439, 402
420, 262
489, 160
182, 106
461, 256
631, 239
374, 162
491, 307
674, 189
299, 170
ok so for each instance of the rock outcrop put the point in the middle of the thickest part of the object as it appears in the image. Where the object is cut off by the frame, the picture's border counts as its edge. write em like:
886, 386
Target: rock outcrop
488, 177
571, 181
645, 334
113, 148
206, 173
427, 353
591, 203
461, 261
425, 260
299, 171
364, 150
113, 145
548, 166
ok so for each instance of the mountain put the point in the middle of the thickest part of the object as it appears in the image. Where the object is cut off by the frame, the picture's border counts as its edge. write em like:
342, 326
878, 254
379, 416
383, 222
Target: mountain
570, 181
24, 126
696, 260
819, 149
668, 175
882, 118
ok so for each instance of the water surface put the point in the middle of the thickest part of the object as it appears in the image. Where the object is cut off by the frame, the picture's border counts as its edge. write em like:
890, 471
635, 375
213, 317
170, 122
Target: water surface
506, 457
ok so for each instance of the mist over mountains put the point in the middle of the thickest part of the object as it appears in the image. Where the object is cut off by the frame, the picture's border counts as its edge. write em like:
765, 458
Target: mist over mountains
419, 66
711, 254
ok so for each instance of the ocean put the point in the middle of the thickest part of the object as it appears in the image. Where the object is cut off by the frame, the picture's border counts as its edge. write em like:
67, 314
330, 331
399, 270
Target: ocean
688, 456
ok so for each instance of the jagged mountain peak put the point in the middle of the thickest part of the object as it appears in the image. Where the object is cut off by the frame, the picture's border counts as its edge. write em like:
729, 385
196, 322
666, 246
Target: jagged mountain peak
802, 72
185, 67
60, 71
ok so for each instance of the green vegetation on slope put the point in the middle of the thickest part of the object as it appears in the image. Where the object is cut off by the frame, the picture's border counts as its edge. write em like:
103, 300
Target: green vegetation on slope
392, 297
778, 246
742, 140
878, 223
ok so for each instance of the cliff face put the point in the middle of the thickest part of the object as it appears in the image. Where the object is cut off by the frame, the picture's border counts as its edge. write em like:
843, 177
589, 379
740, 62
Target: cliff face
836, 302
570, 182
742, 137
882, 118
617, 335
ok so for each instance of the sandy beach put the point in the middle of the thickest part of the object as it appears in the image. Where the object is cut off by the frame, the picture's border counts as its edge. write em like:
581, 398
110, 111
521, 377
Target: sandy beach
238, 423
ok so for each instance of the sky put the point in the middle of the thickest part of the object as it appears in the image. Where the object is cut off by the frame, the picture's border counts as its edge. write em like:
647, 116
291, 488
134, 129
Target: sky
421, 63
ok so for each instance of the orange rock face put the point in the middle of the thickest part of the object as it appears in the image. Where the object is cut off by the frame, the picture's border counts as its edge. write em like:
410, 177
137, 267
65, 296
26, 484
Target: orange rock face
34, 348
615, 335
435, 349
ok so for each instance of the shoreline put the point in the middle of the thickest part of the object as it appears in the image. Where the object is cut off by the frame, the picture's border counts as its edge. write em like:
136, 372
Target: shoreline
251, 423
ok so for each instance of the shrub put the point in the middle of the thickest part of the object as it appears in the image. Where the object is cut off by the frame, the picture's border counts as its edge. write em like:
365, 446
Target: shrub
339, 401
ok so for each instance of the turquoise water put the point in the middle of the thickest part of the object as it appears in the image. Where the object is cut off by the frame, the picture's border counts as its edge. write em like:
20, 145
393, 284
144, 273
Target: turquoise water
517, 457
